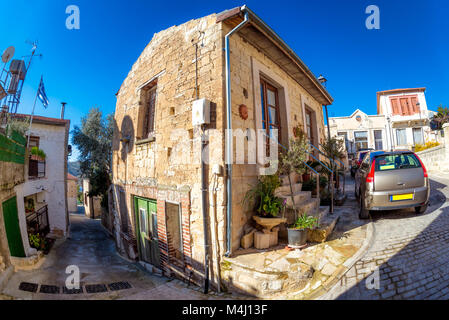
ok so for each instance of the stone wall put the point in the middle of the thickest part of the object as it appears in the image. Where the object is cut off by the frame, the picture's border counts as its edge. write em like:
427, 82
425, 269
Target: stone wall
437, 159
247, 66
166, 165
162, 168
11, 174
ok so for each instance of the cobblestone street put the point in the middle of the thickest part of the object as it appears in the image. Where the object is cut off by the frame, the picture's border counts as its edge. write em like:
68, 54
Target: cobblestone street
92, 250
409, 256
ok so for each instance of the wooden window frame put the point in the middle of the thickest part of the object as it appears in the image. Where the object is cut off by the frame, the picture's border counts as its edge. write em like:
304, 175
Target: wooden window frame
265, 86
149, 114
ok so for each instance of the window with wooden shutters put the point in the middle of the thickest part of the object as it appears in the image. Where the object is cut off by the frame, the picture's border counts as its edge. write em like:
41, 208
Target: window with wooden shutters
270, 112
150, 111
405, 105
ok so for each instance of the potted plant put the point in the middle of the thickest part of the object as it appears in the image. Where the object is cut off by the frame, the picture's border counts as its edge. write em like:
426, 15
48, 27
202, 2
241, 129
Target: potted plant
297, 233
292, 160
29, 206
261, 197
37, 154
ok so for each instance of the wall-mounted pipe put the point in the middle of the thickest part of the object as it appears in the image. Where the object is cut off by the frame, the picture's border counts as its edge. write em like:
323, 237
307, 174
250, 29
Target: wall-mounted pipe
229, 135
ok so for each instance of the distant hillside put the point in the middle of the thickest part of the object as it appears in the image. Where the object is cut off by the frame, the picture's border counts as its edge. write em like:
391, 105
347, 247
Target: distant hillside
74, 168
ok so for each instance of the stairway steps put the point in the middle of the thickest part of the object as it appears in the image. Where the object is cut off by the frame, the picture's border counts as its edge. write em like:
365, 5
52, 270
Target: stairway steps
285, 189
299, 197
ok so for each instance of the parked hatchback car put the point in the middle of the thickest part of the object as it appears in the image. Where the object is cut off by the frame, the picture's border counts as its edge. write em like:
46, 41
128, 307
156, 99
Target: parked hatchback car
391, 180
358, 160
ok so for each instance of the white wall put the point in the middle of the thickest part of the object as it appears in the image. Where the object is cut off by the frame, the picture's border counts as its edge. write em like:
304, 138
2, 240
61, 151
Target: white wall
52, 142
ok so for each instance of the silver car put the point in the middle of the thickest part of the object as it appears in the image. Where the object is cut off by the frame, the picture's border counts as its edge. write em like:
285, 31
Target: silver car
391, 180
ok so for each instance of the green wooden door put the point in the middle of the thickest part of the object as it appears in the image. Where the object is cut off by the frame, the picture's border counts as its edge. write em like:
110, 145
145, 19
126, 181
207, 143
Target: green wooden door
12, 228
147, 230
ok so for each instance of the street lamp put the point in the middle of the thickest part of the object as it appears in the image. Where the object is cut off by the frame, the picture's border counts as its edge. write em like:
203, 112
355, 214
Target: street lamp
323, 81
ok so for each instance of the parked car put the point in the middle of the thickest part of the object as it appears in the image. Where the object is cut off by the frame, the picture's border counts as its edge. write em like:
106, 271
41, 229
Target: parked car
358, 160
391, 180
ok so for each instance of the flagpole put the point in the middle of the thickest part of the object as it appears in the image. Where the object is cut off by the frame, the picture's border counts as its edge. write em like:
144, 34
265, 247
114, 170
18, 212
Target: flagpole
32, 114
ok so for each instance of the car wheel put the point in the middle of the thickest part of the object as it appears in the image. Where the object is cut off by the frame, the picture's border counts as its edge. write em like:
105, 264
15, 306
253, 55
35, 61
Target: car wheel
421, 209
363, 213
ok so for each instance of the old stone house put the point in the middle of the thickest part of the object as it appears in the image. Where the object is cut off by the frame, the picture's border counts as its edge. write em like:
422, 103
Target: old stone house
157, 197
72, 193
92, 205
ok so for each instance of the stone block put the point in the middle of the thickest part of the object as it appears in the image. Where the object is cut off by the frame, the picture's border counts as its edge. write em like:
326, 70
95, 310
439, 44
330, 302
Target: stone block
261, 240
247, 240
325, 229
274, 237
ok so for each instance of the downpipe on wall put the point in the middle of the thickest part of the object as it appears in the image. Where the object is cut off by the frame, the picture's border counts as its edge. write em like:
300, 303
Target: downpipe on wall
229, 134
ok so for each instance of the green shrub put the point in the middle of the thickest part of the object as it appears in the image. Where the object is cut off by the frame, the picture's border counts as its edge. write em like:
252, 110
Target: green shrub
305, 222
427, 145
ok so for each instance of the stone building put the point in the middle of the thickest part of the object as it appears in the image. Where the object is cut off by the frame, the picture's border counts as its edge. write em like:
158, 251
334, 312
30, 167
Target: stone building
157, 197
92, 205
72, 193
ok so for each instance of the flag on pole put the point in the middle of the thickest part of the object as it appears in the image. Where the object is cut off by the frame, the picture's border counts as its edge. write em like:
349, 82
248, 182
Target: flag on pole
41, 93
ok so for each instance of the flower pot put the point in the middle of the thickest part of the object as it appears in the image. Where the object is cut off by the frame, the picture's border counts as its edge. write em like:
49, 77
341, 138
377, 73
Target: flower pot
305, 177
269, 223
297, 237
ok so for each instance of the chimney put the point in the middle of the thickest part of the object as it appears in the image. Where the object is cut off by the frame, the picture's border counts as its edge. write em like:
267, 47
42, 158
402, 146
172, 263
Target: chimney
63, 109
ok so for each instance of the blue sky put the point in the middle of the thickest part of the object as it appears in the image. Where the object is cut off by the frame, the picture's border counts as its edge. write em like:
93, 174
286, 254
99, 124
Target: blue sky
86, 67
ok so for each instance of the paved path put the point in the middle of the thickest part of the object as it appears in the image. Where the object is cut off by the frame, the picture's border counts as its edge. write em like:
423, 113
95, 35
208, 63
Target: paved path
409, 256
93, 251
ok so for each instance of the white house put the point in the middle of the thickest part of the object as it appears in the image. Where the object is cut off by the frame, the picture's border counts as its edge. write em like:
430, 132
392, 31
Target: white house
42, 198
407, 116
361, 131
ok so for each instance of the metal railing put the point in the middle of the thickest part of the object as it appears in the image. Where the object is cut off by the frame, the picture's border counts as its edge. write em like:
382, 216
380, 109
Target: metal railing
37, 222
340, 165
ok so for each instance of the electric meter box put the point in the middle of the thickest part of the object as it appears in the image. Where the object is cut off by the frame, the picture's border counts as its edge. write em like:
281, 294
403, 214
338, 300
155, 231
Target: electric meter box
200, 112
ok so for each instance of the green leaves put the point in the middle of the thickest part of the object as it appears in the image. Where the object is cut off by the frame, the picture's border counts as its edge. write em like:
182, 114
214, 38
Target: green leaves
94, 142
294, 158
305, 222
261, 197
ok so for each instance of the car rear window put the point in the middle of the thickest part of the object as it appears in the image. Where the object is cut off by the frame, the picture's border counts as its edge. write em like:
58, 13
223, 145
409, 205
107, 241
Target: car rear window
397, 161
362, 155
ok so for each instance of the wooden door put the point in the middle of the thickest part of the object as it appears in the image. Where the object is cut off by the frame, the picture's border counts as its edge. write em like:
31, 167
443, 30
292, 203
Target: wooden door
146, 213
12, 228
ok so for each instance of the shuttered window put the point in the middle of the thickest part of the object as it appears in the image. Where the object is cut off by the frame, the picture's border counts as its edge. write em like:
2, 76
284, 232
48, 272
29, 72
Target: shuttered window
404, 105
150, 110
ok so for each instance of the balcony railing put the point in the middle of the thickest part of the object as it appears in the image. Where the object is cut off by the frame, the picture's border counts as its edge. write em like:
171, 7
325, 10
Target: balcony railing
36, 168
37, 222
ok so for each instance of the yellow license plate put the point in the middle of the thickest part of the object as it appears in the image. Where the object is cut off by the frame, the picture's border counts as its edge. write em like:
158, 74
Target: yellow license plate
399, 197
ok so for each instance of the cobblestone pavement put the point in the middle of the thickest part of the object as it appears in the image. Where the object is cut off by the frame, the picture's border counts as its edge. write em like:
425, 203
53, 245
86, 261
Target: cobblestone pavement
409, 257
93, 251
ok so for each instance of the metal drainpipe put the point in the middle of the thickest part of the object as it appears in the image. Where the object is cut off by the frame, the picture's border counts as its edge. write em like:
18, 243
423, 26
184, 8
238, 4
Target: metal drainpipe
229, 135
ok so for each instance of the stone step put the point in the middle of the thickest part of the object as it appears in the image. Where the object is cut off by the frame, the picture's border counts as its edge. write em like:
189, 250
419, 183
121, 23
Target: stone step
309, 207
324, 230
285, 190
295, 178
299, 197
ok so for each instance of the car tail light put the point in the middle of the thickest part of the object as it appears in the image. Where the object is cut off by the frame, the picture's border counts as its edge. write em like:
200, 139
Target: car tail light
370, 176
423, 167
358, 163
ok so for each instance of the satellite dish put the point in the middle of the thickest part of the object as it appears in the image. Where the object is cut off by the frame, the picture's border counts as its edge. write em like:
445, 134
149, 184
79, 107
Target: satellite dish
7, 54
